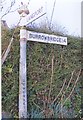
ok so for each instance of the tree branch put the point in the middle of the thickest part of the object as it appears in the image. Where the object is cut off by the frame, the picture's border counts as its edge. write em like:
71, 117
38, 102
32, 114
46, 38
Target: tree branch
9, 46
59, 92
51, 78
73, 87
9, 9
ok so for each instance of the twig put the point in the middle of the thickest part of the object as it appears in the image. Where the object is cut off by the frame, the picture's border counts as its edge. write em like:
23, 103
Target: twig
9, 46
62, 106
61, 58
3, 53
73, 87
13, 10
59, 92
42, 112
67, 88
70, 80
7, 51
51, 77
37, 105
8, 10
67, 85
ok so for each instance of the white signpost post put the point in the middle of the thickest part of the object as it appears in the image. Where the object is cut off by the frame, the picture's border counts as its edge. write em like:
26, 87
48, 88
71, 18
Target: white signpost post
22, 66
22, 76
31, 36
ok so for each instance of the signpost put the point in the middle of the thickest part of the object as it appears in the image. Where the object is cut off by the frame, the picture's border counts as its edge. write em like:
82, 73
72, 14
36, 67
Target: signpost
31, 36
23, 11
46, 38
22, 67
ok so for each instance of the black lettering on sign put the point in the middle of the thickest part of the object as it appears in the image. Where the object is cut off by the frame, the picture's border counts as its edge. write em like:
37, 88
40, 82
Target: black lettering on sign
23, 84
45, 37
50, 38
42, 37
54, 38
23, 103
30, 35
36, 36
24, 99
39, 37
40, 10
64, 41
59, 40
24, 92
23, 95
37, 12
23, 88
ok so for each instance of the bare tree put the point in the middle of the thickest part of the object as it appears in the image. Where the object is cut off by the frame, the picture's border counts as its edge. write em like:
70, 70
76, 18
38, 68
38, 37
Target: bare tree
6, 6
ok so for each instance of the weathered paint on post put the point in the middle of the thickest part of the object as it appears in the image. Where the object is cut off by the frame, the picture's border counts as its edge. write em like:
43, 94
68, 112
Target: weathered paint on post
22, 75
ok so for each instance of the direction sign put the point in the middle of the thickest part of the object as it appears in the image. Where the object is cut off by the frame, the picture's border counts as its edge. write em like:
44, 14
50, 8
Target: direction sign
38, 13
46, 38
33, 16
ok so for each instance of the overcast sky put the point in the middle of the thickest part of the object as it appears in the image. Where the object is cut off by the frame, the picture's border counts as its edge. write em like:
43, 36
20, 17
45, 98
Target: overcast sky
67, 13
